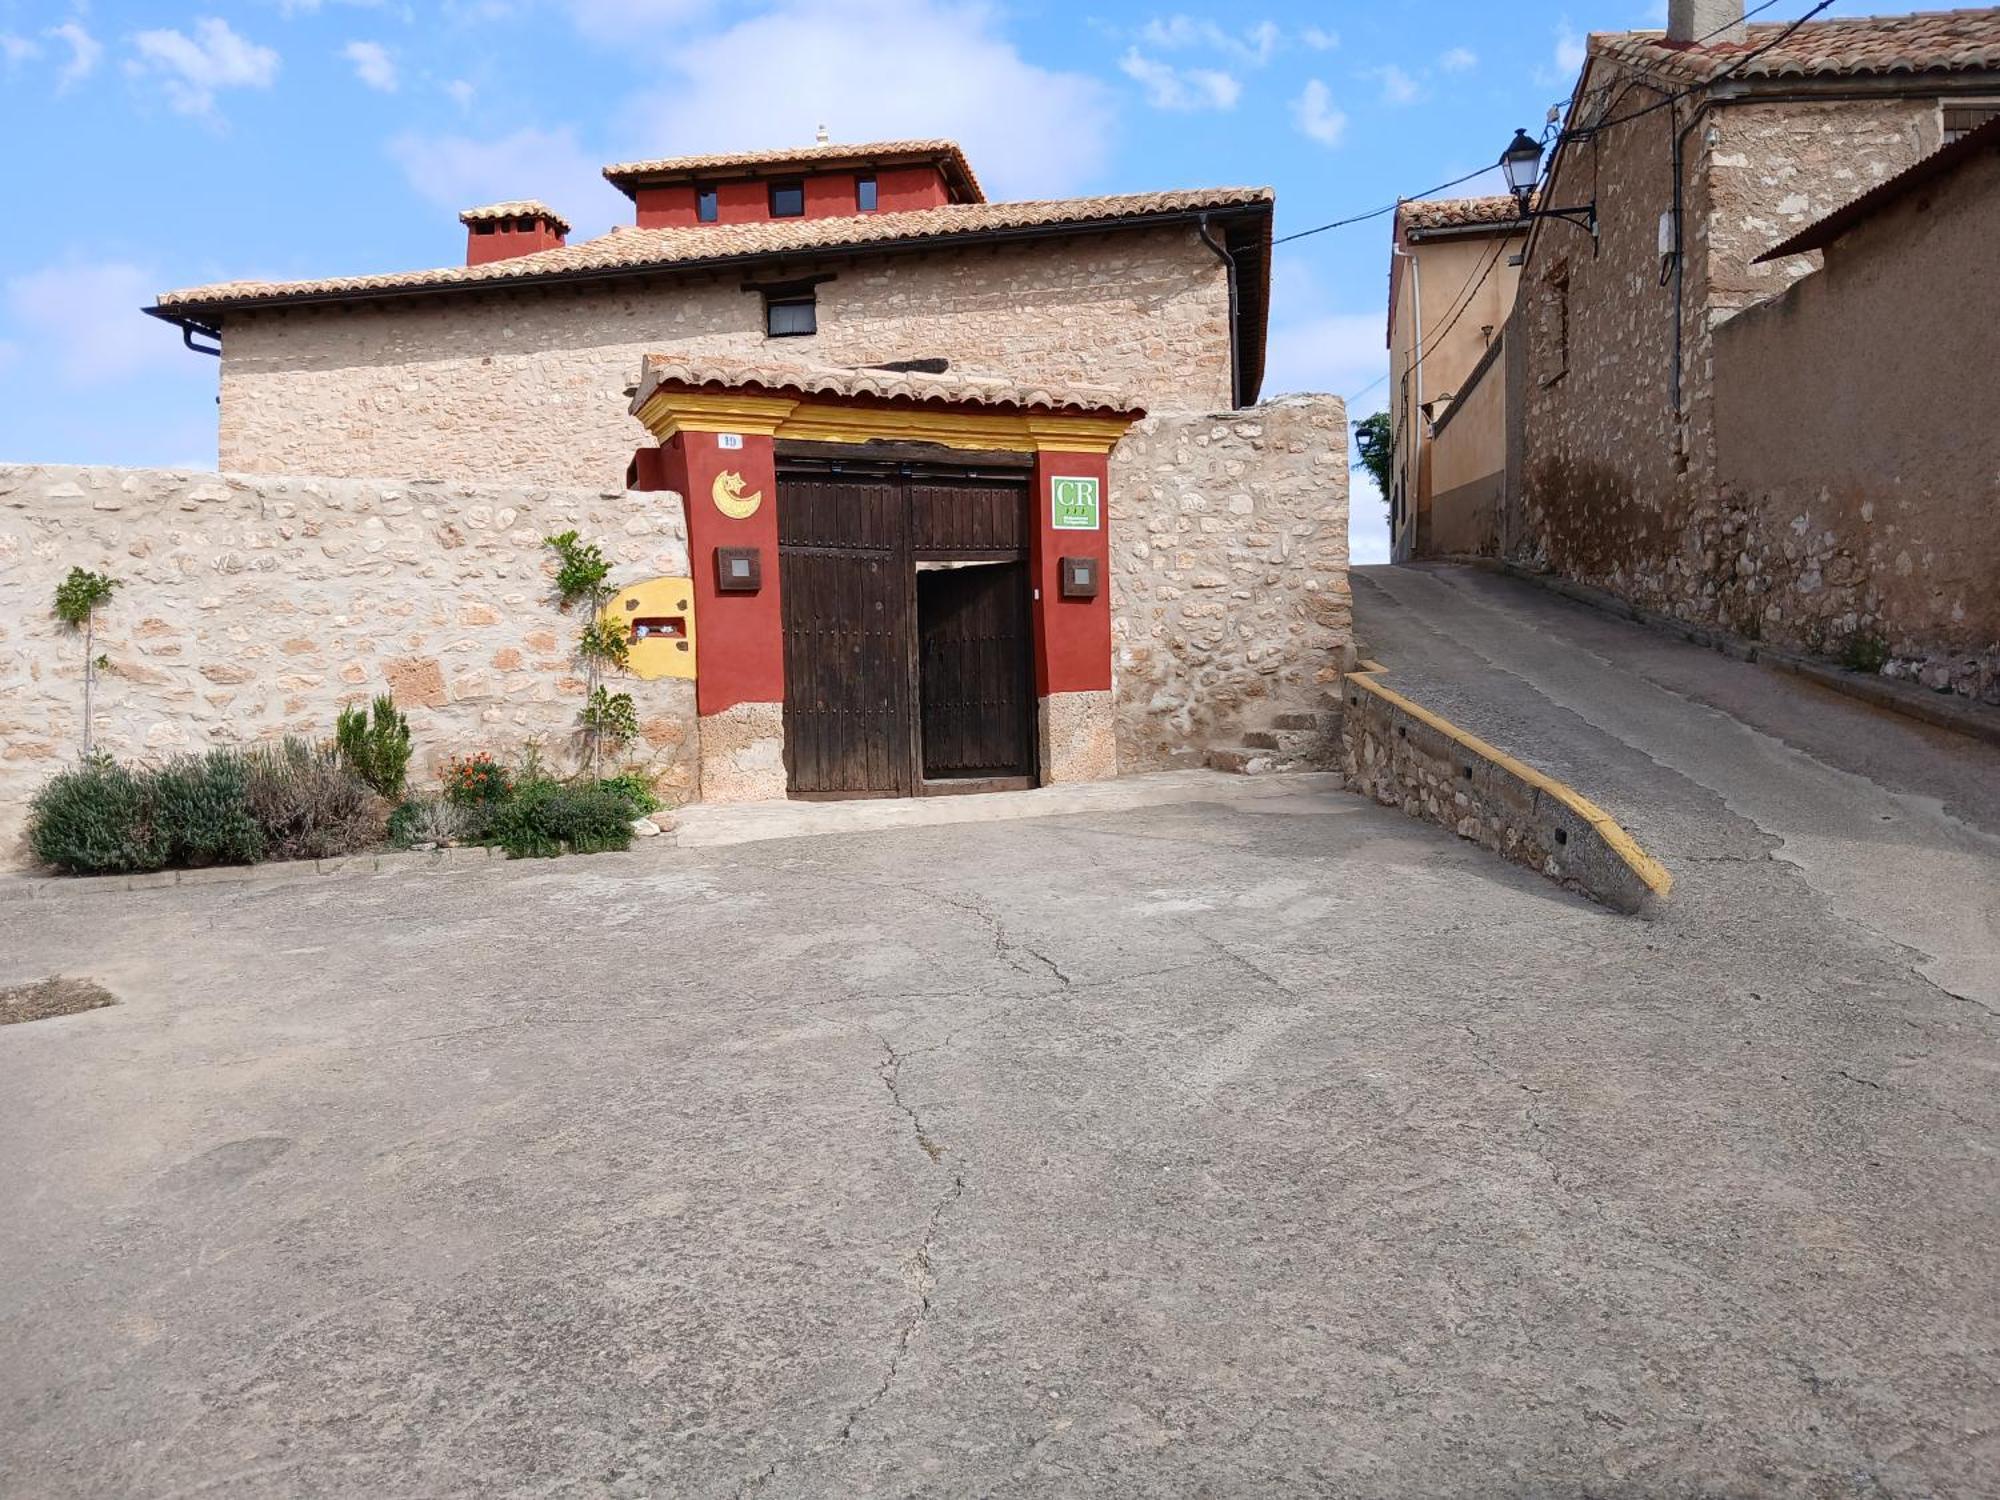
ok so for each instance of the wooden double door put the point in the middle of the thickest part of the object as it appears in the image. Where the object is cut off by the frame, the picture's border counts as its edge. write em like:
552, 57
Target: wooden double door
908, 626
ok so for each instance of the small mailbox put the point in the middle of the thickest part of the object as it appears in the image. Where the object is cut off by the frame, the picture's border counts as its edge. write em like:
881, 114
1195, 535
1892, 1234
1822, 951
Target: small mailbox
738, 570
1079, 578
656, 617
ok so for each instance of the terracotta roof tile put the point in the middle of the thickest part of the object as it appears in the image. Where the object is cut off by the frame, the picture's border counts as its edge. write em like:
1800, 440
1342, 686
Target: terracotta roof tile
1457, 213
638, 250
958, 389
946, 153
1925, 42
516, 208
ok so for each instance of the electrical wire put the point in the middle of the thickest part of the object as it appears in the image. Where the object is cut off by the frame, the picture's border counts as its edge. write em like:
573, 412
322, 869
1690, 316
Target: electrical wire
1376, 213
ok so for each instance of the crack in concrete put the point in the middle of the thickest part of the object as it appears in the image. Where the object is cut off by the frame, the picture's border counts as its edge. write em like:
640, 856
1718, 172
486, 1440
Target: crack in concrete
1005, 947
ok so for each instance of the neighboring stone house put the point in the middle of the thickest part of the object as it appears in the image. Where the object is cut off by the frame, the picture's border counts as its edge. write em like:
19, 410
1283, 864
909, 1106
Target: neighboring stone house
1079, 373
1452, 277
1702, 148
1858, 427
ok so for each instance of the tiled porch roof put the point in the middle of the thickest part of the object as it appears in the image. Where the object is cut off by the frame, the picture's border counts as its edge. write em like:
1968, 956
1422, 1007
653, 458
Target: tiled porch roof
952, 389
1924, 42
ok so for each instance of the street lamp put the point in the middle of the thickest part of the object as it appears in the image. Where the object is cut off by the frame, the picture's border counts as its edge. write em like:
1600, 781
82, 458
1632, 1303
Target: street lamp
1522, 164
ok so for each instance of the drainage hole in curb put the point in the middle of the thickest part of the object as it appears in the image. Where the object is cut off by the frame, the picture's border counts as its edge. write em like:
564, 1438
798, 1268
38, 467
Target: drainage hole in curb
1562, 835
47, 998
1466, 772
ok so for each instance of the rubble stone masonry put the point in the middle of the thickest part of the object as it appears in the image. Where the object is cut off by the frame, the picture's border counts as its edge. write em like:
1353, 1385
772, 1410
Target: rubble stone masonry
1229, 594
531, 384
256, 606
1615, 489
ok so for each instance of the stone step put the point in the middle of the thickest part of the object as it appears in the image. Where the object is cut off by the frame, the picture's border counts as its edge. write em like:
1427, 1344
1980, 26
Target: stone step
1295, 721
1242, 760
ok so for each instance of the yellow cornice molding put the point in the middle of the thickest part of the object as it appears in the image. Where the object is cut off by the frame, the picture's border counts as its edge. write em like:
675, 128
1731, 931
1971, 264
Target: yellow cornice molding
666, 412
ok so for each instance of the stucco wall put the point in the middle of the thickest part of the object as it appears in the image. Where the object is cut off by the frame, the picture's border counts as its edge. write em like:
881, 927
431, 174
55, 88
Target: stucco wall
254, 606
531, 384
1469, 462
1229, 594
1858, 436
1616, 491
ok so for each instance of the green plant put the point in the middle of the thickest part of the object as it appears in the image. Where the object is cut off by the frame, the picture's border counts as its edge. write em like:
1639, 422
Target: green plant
607, 720
201, 810
309, 804
78, 598
1375, 441
95, 819
432, 820
635, 789
375, 744
546, 817
473, 780
1864, 652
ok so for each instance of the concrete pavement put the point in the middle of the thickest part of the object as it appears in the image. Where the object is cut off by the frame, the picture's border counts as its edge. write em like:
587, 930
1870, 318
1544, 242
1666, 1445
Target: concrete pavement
1894, 823
1252, 1145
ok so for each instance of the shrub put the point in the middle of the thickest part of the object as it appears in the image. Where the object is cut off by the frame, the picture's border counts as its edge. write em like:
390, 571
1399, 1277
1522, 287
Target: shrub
375, 744
201, 809
475, 779
545, 817
309, 804
96, 819
432, 820
635, 789
1863, 652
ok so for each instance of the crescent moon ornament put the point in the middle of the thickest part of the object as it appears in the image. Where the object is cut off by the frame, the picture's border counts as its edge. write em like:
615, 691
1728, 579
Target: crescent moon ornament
727, 492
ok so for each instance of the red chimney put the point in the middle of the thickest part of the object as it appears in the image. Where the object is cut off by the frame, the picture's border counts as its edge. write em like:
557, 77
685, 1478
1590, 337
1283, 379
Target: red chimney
501, 231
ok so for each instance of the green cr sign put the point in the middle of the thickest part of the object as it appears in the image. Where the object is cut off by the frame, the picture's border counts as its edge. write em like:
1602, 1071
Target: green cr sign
1073, 504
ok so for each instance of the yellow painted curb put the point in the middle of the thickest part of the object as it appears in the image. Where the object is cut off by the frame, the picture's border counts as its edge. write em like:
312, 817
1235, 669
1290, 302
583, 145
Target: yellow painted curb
1650, 871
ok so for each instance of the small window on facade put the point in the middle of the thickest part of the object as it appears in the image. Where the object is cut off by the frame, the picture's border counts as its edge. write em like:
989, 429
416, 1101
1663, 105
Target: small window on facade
788, 200
864, 194
705, 207
791, 316
1961, 118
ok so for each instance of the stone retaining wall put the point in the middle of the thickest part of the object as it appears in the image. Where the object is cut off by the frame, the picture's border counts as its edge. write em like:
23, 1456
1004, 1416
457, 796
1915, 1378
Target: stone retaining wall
1229, 595
257, 605
1404, 756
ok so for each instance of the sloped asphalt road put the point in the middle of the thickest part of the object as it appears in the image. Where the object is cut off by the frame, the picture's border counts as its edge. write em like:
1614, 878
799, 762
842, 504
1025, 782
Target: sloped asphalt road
1232, 1148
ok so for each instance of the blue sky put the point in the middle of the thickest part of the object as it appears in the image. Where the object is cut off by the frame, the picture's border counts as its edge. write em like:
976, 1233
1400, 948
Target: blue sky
158, 145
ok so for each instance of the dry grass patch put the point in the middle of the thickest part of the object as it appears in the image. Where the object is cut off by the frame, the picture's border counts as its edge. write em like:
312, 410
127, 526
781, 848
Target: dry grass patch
52, 997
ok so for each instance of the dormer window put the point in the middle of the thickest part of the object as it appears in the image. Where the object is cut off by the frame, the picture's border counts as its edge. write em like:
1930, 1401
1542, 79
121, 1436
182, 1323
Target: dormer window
788, 200
706, 206
864, 195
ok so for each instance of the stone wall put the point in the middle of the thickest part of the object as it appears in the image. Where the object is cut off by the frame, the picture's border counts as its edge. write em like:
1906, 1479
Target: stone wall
1402, 755
1229, 595
1858, 439
1617, 490
531, 384
255, 606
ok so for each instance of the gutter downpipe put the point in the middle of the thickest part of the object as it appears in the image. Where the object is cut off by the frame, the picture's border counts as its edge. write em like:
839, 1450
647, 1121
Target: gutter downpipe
1229, 272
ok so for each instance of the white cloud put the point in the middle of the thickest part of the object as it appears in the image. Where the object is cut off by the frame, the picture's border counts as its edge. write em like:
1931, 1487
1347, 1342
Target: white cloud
372, 65
192, 70
460, 91
1314, 114
83, 321
1459, 60
1398, 87
872, 70
1255, 46
16, 49
1367, 515
85, 52
1319, 39
1168, 87
455, 172
1570, 49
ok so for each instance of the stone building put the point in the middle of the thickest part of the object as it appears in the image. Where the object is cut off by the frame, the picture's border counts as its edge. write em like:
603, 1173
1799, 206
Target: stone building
1452, 276
1700, 150
1090, 521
